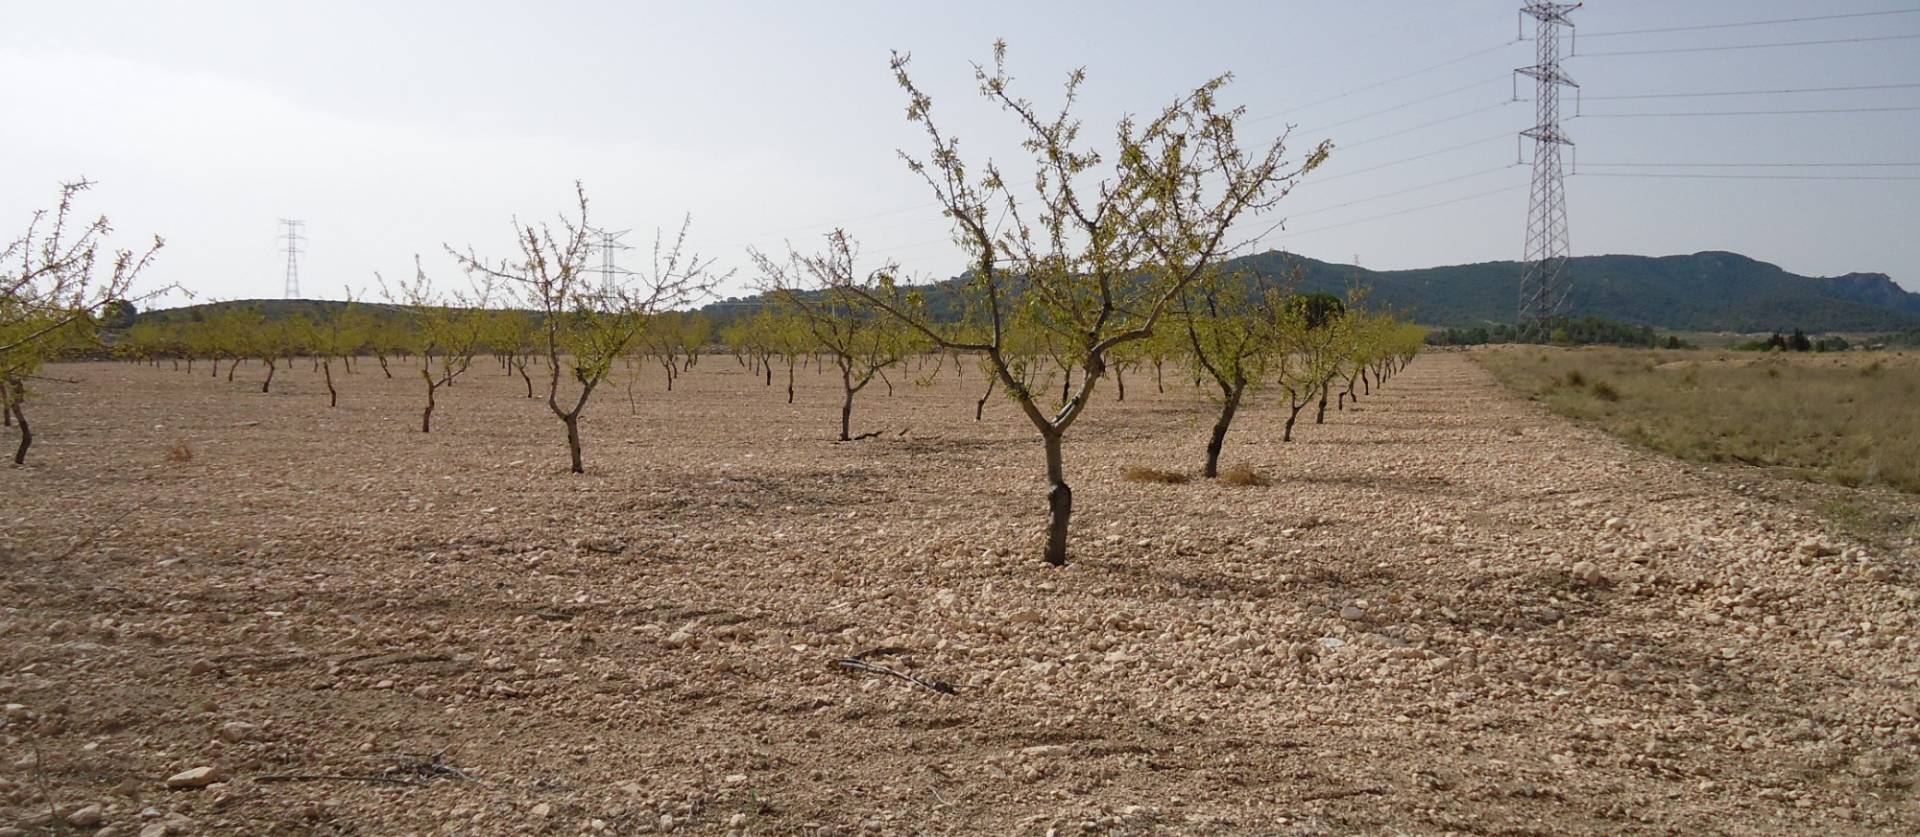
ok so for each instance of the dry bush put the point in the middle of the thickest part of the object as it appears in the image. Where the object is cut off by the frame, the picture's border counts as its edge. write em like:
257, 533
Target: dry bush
1243, 475
1605, 391
179, 452
1156, 475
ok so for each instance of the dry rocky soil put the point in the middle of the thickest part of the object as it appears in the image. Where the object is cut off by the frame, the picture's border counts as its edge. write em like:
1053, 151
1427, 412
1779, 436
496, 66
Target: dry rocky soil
1448, 612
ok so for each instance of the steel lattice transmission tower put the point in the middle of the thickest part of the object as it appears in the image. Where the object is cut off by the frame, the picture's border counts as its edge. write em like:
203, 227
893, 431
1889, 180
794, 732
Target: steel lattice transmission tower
1544, 279
290, 233
607, 243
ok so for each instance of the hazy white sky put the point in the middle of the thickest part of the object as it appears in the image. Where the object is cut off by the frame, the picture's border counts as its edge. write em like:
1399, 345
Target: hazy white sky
393, 127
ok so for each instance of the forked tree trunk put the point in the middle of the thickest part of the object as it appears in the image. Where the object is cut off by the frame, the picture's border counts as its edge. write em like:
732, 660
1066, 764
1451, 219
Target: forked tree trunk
426, 416
981, 405
1292, 416
1228, 407
1059, 503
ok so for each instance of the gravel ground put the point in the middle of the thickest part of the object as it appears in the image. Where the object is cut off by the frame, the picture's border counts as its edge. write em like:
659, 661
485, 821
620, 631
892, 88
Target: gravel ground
1448, 612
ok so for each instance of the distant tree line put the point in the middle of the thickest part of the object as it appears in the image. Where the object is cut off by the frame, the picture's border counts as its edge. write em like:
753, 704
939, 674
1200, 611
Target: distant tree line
1798, 341
1578, 331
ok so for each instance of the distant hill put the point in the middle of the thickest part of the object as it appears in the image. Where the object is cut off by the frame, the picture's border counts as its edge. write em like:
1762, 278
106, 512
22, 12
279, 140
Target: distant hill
1711, 291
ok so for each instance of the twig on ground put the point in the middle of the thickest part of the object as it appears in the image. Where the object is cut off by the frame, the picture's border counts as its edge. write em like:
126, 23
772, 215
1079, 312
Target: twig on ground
330, 777
95, 535
857, 664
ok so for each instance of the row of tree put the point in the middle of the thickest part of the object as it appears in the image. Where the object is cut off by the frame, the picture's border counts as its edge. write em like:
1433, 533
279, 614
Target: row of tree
1088, 262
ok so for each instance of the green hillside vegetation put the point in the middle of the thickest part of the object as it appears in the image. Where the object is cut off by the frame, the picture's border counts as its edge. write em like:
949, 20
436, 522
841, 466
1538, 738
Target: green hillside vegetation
1703, 292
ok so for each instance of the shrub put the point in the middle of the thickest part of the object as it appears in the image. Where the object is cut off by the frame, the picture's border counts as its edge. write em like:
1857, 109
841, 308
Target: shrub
1605, 391
179, 452
1575, 379
1156, 475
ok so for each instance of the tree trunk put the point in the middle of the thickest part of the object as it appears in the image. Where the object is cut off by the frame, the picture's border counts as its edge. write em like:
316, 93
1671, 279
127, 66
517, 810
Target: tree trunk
1227, 408
525, 377
573, 441
271, 368
1157, 383
26, 432
846, 414
1066, 385
333, 398
1120, 380
1321, 417
1059, 504
1366, 388
1287, 435
769, 370
232, 364
383, 365
789, 380
426, 418
981, 405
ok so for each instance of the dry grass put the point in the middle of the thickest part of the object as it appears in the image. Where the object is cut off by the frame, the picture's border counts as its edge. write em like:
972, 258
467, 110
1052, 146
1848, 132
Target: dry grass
1843, 418
1243, 475
1155, 475
179, 453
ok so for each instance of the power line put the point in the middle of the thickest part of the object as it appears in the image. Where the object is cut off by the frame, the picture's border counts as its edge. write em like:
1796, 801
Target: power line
1744, 113
1396, 193
1750, 46
1752, 165
1424, 125
1660, 175
1699, 27
1757, 92
1407, 211
1384, 82
1483, 141
1421, 101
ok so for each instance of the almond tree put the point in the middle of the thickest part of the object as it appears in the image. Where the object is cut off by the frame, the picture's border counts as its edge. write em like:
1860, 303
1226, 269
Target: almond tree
447, 332
55, 279
588, 325
1099, 249
1230, 329
1311, 346
516, 336
862, 340
785, 336
339, 336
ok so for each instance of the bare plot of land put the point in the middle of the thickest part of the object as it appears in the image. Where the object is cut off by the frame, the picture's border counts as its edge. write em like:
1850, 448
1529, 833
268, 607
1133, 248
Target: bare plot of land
1449, 612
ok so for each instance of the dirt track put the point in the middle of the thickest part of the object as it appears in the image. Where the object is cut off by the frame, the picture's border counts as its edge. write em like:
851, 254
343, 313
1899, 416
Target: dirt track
1450, 612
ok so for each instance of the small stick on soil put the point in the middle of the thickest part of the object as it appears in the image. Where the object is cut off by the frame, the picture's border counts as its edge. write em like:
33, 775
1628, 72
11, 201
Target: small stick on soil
323, 777
857, 664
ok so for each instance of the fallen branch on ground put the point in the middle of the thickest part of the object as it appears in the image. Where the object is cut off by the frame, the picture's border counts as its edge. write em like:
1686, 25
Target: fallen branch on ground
854, 663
